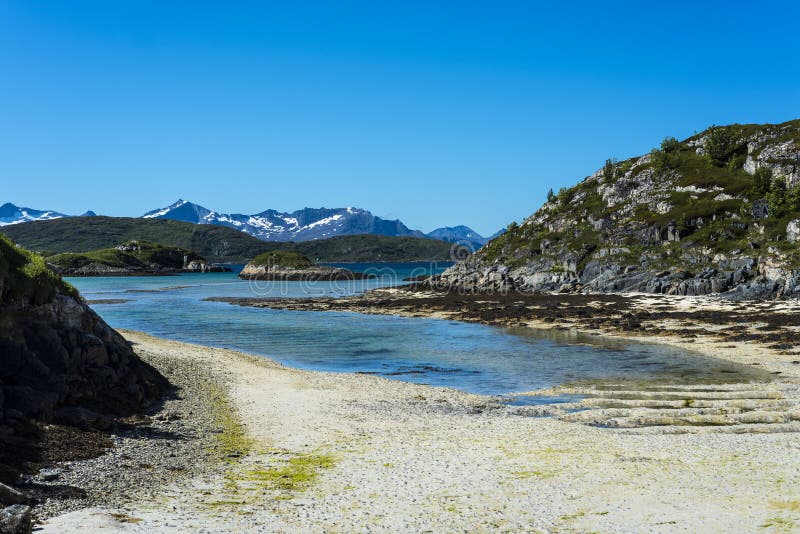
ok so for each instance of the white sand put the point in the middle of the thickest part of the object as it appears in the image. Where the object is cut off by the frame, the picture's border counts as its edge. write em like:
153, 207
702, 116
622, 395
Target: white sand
412, 458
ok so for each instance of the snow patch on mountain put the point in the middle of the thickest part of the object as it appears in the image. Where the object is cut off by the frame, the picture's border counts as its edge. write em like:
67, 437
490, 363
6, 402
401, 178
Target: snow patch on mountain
11, 214
302, 225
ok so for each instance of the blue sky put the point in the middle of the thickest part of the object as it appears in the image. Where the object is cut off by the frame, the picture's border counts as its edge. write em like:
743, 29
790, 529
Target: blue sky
438, 113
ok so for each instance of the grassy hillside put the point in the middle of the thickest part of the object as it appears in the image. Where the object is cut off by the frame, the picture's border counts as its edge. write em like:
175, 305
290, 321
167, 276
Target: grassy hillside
215, 243
368, 248
82, 234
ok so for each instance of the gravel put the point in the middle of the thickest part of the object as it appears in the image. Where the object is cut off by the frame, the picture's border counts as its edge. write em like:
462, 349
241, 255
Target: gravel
171, 442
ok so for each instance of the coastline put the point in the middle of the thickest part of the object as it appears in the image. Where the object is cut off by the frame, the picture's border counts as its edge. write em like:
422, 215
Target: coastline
343, 452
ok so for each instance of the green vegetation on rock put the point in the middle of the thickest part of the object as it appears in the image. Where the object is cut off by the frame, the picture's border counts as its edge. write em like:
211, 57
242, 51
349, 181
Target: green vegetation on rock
80, 234
24, 276
131, 255
281, 258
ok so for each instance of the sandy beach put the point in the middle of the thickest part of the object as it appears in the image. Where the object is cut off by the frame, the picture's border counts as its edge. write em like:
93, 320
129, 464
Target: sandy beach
301, 451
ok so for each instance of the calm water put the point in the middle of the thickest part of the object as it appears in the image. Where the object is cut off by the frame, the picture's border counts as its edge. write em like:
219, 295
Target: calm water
470, 357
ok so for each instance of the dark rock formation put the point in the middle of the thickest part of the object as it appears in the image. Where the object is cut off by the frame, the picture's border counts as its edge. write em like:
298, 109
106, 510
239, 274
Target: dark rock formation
60, 362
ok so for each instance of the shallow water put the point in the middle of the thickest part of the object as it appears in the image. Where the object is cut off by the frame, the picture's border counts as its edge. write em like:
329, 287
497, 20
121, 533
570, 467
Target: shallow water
471, 357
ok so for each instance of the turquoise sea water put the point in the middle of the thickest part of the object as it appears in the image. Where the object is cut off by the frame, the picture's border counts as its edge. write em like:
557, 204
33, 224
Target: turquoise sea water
471, 357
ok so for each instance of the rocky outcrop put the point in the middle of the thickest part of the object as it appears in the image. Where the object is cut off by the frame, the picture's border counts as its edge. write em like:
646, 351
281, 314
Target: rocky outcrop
312, 273
61, 362
202, 266
711, 214
793, 231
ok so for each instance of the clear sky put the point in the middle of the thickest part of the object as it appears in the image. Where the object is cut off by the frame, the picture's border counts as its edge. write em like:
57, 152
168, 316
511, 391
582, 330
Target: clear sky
437, 113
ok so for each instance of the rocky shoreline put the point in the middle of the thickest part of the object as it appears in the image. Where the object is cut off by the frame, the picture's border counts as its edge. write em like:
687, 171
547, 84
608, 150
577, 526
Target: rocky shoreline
740, 278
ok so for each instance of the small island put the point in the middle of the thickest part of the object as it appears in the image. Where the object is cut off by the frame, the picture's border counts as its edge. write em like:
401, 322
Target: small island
132, 258
292, 266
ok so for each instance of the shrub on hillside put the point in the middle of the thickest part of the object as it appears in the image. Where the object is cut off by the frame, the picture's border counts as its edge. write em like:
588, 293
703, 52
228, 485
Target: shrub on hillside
720, 145
762, 180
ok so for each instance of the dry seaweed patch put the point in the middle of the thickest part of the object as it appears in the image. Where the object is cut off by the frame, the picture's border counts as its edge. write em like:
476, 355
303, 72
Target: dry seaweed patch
231, 441
296, 474
787, 519
274, 475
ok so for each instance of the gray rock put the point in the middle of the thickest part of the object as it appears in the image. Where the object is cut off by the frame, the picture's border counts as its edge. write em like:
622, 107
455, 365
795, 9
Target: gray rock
759, 209
793, 231
48, 475
81, 418
9, 495
16, 519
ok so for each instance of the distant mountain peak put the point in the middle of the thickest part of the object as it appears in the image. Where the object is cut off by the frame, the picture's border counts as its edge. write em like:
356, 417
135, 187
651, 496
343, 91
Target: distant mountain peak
12, 214
459, 234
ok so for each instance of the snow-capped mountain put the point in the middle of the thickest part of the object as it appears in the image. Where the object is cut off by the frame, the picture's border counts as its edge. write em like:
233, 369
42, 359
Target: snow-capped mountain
302, 225
11, 214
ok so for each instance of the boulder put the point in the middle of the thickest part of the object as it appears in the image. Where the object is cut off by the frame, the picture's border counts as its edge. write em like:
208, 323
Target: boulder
16, 519
9, 495
793, 231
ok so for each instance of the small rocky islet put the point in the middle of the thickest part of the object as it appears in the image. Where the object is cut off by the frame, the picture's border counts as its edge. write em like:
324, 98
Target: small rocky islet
292, 266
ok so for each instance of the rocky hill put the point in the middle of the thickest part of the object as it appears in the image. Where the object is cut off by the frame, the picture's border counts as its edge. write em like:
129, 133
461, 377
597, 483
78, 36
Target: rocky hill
131, 257
718, 212
61, 362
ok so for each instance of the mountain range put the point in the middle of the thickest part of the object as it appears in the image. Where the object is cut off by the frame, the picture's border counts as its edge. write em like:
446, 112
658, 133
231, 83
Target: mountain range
302, 225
